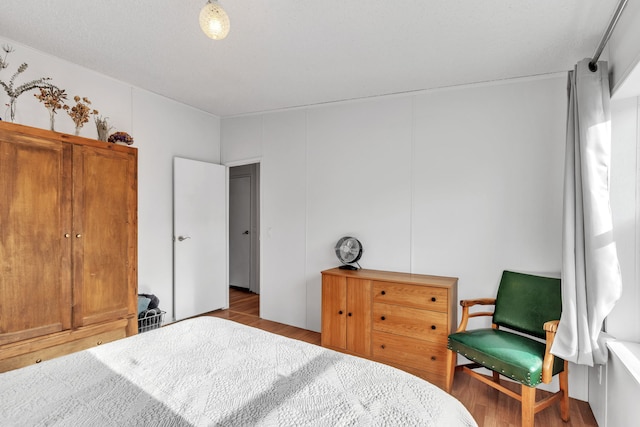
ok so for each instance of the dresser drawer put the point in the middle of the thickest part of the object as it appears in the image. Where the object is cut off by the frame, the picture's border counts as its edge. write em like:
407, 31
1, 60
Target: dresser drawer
48, 353
413, 353
411, 322
418, 296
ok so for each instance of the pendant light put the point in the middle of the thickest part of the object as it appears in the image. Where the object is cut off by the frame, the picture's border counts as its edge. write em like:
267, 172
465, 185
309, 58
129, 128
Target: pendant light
214, 21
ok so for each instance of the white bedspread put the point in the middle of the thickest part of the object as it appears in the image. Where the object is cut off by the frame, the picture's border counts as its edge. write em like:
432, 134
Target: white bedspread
209, 371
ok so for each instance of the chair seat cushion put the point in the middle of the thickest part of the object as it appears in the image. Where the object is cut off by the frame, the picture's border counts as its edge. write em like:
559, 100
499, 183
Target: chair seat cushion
512, 355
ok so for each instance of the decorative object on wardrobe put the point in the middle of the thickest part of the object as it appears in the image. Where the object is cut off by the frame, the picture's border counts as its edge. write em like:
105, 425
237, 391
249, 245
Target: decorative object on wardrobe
214, 21
349, 250
121, 137
102, 127
14, 92
53, 99
80, 112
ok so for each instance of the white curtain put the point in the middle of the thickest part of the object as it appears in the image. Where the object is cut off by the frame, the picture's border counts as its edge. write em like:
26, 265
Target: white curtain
591, 282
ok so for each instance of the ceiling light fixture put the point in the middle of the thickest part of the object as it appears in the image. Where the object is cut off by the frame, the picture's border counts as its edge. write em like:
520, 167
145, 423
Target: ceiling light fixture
214, 21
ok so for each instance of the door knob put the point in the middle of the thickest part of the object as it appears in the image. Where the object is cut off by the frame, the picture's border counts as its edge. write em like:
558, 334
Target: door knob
181, 238
246, 232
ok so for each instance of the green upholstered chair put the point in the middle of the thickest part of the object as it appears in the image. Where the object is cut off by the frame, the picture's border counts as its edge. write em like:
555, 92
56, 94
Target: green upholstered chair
531, 306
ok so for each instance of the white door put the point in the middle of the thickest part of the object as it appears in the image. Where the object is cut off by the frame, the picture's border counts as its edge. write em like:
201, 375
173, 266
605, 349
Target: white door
240, 232
200, 237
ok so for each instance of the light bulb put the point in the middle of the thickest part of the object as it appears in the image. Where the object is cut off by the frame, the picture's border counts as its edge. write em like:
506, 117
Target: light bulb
214, 21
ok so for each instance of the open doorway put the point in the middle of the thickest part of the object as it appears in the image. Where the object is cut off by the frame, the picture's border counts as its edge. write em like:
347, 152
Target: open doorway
244, 242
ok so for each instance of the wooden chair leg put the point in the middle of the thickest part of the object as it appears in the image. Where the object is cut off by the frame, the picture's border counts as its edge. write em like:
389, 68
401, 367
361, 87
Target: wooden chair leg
563, 377
452, 358
496, 377
528, 404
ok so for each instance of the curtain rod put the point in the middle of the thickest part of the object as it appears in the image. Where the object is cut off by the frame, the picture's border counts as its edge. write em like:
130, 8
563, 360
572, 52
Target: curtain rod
605, 38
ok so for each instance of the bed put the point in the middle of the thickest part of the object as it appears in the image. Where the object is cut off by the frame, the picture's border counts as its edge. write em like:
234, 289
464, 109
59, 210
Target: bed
209, 371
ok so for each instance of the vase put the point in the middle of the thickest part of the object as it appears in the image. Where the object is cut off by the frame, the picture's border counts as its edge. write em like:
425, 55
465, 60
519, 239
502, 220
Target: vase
52, 117
102, 135
78, 130
103, 132
12, 109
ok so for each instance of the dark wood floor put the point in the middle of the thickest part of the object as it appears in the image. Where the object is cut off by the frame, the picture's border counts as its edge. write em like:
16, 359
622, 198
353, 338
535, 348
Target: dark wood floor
489, 407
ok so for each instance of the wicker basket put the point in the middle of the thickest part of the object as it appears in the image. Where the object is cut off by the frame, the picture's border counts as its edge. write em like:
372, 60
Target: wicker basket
148, 323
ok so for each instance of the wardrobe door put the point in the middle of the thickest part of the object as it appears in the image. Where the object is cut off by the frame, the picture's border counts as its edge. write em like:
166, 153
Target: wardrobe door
334, 311
359, 316
105, 236
35, 243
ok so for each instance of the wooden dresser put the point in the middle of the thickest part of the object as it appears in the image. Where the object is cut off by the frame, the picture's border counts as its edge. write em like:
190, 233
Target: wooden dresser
399, 319
68, 244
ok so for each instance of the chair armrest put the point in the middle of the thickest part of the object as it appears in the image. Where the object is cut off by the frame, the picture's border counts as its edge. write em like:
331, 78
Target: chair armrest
478, 301
547, 365
551, 326
466, 304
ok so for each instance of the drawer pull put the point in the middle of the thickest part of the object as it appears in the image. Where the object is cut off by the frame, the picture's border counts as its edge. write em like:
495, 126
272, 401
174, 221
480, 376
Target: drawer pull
38, 360
349, 314
340, 312
383, 293
433, 299
382, 318
99, 342
433, 358
382, 346
433, 327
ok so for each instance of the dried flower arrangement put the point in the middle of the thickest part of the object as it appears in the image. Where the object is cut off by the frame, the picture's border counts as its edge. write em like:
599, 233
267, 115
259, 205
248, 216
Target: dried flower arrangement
53, 99
121, 137
14, 92
3, 61
103, 128
80, 112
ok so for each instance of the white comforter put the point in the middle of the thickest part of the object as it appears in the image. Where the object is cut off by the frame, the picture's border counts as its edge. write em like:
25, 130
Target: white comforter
209, 371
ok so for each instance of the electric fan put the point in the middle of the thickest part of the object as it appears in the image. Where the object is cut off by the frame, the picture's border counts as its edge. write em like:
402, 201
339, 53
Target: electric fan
349, 250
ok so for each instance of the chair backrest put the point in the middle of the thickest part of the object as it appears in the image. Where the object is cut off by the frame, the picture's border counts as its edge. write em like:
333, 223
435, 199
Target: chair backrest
525, 302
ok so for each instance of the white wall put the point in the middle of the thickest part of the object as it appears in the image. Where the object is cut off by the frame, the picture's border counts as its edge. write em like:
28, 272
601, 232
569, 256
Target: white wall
162, 128
359, 184
623, 48
463, 182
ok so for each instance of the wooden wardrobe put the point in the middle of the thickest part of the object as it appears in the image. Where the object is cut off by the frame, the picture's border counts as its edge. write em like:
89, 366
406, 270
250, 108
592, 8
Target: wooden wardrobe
68, 244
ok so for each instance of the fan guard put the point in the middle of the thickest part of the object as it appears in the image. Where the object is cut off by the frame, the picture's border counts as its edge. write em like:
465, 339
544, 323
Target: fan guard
349, 250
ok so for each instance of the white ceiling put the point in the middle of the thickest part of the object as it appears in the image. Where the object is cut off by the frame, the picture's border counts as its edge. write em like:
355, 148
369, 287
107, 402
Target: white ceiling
288, 53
